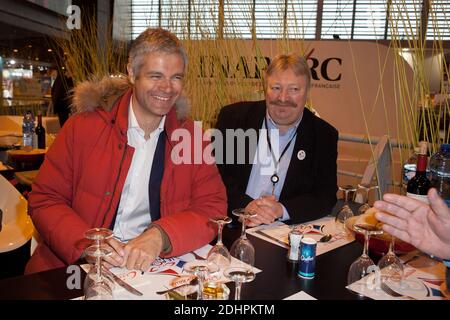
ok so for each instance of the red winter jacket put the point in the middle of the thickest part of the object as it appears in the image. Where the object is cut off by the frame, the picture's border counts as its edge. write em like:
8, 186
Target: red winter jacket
80, 182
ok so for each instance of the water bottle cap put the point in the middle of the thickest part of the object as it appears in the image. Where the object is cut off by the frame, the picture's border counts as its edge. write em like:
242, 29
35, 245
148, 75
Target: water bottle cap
445, 147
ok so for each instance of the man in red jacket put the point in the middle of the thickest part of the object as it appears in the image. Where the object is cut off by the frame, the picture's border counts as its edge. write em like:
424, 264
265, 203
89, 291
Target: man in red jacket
112, 166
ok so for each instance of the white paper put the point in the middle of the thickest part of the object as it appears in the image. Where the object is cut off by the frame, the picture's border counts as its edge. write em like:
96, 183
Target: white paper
320, 227
423, 279
159, 276
302, 295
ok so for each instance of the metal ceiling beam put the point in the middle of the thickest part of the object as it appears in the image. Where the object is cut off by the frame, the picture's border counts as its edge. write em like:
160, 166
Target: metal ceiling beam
26, 15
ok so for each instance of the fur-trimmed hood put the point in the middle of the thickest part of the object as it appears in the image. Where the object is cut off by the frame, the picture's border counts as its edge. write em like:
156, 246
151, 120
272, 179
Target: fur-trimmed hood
91, 94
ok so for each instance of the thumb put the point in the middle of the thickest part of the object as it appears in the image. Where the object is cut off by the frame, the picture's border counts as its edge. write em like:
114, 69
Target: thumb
438, 204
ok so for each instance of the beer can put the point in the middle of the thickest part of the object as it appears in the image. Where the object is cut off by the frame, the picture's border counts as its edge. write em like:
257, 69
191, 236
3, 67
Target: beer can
307, 263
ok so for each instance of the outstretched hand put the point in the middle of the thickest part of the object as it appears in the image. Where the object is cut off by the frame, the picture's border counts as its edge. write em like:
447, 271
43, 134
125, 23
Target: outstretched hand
425, 227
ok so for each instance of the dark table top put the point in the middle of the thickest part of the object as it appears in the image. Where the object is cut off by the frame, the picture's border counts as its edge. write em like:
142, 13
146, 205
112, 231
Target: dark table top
277, 281
47, 285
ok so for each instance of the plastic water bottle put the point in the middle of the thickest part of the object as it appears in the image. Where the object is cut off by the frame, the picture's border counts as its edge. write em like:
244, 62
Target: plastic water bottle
440, 172
27, 129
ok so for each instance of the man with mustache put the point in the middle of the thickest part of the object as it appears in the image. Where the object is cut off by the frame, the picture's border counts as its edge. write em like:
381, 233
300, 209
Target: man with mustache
291, 173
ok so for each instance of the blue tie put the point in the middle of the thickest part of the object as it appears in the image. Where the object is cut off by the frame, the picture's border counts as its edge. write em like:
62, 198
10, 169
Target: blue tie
156, 174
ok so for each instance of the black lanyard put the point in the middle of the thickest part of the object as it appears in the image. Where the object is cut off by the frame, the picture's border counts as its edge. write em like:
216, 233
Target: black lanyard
275, 178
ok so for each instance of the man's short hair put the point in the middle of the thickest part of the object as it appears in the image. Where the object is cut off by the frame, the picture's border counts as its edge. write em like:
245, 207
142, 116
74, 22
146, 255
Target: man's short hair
154, 40
290, 61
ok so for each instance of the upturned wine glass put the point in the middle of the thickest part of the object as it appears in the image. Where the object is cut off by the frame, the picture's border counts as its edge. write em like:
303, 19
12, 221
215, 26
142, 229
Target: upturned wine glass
219, 254
345, 212
365, 189
98, 286
240, 275
242, 249
390, 265
358, 268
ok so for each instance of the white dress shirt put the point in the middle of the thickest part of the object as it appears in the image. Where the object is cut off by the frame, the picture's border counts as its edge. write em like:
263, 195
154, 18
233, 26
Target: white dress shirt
133, 215
259, 183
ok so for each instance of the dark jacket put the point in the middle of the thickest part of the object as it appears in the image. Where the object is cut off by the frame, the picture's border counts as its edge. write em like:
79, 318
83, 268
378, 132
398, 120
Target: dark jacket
61, 97
309, 191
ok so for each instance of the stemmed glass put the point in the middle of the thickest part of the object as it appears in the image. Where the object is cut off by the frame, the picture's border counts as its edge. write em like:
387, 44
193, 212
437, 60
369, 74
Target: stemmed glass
242, 249
390, 265
97, 286
202, 269
219, 254
239, 275
365, 187
358, 268
345, 212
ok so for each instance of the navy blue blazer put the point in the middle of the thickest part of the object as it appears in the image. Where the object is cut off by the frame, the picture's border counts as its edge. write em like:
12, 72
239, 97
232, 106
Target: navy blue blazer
309, 191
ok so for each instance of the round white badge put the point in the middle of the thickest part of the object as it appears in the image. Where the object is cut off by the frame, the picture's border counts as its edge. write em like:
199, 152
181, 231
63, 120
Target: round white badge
301, 155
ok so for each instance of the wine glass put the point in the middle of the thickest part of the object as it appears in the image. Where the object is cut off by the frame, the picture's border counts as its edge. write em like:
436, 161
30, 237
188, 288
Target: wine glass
239, 275
219, 254
242, 249
345, 212
365, 188
358, 268
98, 286
202, 269
390, 265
